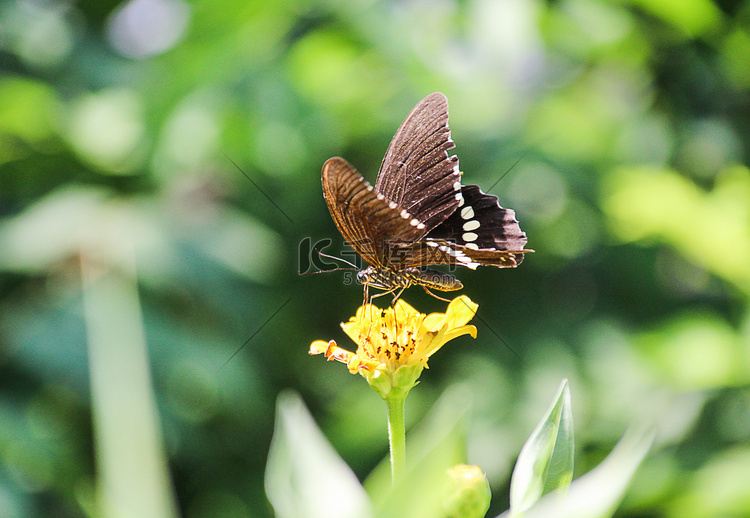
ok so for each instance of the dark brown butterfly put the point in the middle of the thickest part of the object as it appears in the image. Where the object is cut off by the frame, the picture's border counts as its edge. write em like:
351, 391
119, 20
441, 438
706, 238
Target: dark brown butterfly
418, 213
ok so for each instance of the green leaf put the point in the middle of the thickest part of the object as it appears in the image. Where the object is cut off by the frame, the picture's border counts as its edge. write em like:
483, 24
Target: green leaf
596, 494
305, 477
546, 460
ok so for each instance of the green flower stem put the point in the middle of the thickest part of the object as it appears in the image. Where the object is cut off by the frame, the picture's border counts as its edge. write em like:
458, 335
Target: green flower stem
397, 436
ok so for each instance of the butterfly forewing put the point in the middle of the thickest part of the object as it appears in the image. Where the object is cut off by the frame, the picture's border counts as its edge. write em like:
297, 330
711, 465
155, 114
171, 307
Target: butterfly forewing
368, 222
417, 173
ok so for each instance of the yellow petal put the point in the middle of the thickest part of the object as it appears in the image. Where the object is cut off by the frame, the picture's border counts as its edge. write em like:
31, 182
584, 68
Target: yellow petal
331, 351
352, 329
357, 364
460, 310
318, 347
460, 331
404, 310
366, 313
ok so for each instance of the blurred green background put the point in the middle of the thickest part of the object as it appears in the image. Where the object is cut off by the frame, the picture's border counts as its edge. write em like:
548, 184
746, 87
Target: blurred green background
628, 123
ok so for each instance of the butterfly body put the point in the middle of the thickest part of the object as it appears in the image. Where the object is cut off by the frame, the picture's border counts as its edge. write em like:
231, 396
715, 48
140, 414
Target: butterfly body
418, 213
390, 279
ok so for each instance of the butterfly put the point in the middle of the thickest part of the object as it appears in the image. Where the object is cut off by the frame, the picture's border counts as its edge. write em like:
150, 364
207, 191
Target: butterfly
418, 213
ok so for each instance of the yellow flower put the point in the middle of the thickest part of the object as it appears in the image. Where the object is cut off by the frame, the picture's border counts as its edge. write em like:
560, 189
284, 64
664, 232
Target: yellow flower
394, 344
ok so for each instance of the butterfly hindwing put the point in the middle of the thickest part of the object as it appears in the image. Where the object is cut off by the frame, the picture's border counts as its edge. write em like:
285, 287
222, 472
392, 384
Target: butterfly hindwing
417, 173
481, 223
433, 252
479, 232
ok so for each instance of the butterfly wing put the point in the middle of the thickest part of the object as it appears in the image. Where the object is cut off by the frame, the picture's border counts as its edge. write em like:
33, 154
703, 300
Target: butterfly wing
481, 223
417, 174
435, 251
419, 214
369, 223
479, 232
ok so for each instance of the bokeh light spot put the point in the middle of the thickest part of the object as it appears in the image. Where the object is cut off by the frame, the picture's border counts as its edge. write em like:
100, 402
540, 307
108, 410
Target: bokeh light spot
145, 28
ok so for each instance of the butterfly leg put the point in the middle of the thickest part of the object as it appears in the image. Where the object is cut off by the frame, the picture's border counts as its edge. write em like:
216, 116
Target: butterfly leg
379, 295
398, 295
367, 292
436, 296
386, 293
368, 299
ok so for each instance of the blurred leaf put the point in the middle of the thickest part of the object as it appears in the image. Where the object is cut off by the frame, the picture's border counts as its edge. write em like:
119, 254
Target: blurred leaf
696, 351
133, 475
27, 108
596, 494
546, 460
242, 244
710, 228
327, 60
693, 17
717, 489
735, 54
305, 477
48, 231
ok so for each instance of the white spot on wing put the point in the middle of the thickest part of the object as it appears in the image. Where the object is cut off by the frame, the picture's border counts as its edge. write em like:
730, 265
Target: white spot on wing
461, 200
457, 186
415, 222
471, 225
473, 246
392, 204
469, 236
467, 213
381, 197
405, 214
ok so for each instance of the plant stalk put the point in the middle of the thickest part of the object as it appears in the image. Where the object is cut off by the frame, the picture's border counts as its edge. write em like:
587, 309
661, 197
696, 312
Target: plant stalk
397, 437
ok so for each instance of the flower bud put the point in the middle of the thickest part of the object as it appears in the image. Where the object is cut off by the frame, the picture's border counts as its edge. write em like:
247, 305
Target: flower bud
467, 492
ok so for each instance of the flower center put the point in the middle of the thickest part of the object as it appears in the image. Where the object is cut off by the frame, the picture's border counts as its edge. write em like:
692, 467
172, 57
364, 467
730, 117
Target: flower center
394, 342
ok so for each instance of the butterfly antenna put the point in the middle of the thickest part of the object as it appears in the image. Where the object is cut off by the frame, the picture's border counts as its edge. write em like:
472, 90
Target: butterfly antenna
328, 271
354, 266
